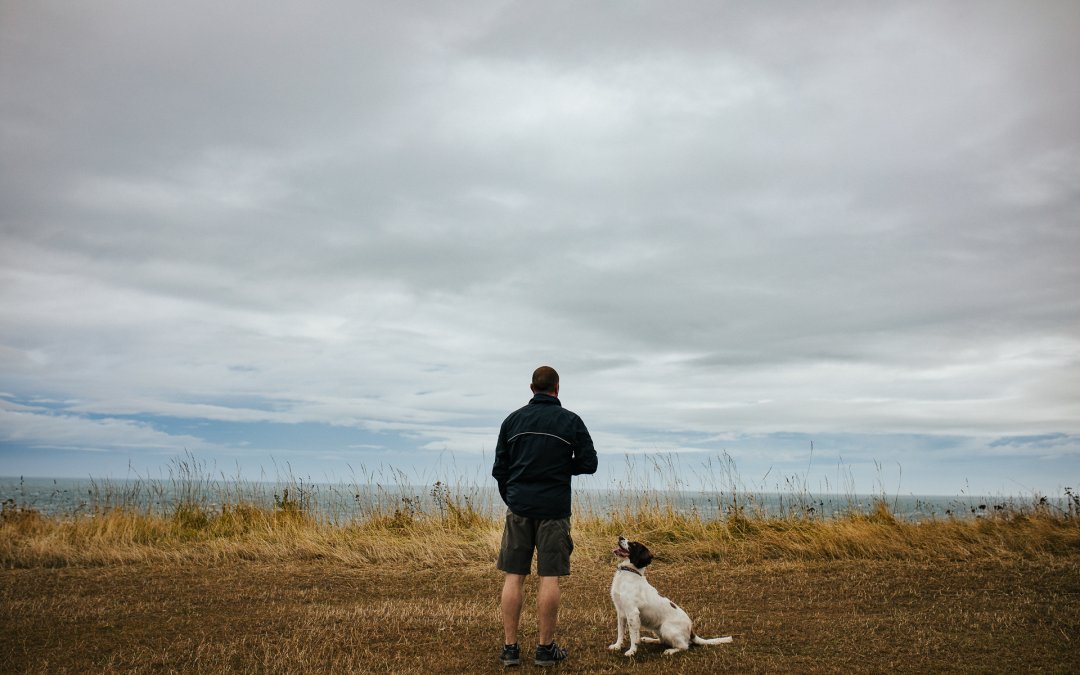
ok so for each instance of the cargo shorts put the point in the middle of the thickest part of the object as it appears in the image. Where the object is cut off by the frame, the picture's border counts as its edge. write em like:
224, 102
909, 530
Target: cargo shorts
550, 538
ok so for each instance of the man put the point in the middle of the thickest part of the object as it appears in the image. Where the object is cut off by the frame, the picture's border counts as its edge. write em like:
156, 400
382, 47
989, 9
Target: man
540, 447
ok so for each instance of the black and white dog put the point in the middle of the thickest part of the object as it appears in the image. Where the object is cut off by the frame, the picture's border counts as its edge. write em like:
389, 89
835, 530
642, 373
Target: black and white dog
639, 605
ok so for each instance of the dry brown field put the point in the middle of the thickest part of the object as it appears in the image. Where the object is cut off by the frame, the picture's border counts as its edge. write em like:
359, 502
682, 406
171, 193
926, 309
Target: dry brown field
318, 616
254, 591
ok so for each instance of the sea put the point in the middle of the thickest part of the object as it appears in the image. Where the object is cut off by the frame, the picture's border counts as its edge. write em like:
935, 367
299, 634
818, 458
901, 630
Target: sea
344, 502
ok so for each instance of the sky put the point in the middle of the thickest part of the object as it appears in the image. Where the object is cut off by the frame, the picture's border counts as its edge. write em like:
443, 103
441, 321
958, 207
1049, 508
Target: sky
831, 244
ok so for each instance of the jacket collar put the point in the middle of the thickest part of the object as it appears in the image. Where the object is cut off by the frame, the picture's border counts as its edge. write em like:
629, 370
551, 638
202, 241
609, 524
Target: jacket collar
545, 399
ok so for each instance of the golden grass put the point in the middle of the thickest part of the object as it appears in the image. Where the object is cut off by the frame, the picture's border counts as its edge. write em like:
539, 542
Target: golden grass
392, 600
251, 532
408, 585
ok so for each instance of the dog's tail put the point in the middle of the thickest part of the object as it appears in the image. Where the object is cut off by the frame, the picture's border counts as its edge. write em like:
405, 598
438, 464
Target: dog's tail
698, 640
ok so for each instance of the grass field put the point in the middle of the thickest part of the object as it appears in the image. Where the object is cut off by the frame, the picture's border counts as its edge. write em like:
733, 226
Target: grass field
256, 589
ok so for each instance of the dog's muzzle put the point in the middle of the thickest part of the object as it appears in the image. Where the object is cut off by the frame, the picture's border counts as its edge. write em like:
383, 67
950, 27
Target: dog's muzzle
621, 551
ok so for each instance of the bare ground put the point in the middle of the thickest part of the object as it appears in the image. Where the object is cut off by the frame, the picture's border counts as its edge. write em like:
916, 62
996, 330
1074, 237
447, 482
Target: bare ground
1013, 614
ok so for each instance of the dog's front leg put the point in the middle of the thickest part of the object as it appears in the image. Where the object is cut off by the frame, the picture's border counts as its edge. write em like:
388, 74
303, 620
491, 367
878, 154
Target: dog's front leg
633, 625
621, 620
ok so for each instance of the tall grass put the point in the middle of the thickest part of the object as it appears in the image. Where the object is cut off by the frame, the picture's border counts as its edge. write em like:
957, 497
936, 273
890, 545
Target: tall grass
383, 517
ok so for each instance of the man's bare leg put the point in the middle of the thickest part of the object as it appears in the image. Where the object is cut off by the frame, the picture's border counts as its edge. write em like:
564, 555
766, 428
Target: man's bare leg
513, 593
547, 608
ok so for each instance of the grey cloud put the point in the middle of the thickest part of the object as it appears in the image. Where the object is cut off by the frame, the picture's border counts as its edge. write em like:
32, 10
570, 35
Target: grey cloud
877, 201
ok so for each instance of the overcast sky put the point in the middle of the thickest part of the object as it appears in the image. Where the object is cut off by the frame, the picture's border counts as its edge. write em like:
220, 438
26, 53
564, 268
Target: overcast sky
341, 235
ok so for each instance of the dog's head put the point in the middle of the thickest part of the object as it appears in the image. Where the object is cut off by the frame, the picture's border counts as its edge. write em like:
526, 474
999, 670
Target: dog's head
638, 554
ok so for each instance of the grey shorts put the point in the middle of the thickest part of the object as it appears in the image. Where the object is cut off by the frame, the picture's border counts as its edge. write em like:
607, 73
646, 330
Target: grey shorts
550, 538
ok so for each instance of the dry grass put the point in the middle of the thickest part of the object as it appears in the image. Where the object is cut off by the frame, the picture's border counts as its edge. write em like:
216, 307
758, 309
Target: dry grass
205, 584
1010, 614
459, 533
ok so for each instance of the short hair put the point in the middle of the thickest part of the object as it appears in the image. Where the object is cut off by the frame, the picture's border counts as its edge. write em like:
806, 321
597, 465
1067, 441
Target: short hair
545, 379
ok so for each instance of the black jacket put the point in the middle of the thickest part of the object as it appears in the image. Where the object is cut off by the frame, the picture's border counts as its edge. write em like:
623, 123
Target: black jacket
540, 447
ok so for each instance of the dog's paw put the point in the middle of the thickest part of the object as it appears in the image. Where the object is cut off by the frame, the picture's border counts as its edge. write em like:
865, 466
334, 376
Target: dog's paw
669, 652
614, 646
631, 651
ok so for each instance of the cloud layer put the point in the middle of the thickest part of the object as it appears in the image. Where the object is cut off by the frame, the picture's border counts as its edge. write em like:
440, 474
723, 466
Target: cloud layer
718, 221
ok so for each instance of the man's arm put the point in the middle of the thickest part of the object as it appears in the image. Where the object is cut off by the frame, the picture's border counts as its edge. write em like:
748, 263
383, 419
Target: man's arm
501, 470
584, 461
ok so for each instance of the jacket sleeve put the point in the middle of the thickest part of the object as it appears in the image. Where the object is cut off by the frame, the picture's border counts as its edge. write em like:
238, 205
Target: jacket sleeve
501, 470
584, 461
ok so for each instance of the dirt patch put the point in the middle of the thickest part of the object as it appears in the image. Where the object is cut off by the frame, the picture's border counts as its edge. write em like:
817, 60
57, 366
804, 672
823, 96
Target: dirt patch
317, 616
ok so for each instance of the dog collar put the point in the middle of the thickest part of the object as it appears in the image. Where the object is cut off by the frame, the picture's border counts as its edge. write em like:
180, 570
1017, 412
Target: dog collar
631, 569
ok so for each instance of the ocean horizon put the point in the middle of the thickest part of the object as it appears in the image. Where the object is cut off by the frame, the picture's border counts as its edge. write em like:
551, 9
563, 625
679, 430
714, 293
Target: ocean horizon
342, 502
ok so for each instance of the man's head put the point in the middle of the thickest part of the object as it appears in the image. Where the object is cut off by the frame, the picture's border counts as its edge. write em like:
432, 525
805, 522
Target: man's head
545, 381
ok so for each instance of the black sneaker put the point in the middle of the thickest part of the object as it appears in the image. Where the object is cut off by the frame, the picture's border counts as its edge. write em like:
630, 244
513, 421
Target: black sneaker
511, 655
549, 655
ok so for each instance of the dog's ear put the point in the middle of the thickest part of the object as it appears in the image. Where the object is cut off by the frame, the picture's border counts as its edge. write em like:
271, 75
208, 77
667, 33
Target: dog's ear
640, 555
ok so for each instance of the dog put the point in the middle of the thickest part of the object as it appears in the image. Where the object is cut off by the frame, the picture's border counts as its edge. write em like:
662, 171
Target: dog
639, 605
